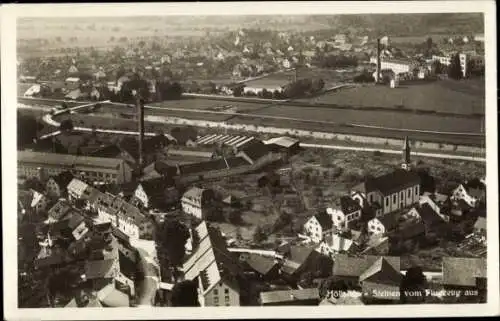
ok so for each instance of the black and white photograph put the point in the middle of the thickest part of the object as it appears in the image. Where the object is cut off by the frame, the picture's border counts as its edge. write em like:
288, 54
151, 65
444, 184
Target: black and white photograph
192, 155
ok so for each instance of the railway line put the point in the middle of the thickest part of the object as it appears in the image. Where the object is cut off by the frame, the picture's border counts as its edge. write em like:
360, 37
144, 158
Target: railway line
248, 118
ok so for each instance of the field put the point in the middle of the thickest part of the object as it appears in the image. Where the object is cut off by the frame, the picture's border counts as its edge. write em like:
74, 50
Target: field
211, 104
464, 97
380, 118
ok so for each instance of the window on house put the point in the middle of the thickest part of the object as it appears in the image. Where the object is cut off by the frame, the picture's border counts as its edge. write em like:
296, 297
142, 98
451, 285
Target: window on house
226, 291
216, 292
216, 300
394, 198
387, 201
409, 192
227, 298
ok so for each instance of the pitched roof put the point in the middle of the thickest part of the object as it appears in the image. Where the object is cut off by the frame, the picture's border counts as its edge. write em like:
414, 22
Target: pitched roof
283, 141
428, 215
210, 259
381, 271
77, 187
324, 220
62, 160
110, 296
255, 150
189, 153
391, 182
63, 179
348, 205
389, 221
59, 210
355, 266
201, 167
338, 243
155, 187
462, 271
99, 269
297, 256
289, 295
260, 263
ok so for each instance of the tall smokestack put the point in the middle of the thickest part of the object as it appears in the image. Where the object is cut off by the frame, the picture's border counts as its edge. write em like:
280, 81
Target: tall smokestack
377, 75
140, 129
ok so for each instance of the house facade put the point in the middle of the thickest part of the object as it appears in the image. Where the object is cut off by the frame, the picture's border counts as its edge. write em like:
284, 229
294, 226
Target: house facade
317, 225
93, 168
349, 212
197, 202
389, 193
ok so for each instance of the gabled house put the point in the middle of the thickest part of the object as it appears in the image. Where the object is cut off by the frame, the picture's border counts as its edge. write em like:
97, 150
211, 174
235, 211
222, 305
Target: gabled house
434, 223
298, 259
348, 213
371, 274
32, 201
77, 189
334, 244
471, 192
439, 203
214, 268
317, 226
56, 186
381, 281
197, 202
461, 273
390, 192
60, 211
266, 267
383, 225
253, 152
156, 193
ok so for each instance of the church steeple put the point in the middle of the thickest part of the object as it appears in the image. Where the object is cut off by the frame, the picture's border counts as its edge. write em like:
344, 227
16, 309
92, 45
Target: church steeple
406, 162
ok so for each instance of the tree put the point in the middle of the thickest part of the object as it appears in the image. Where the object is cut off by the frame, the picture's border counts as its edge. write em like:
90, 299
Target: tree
413, 281
437, 67
454, 69
235, 217
171, 238
184, 294
27, 129
66, 125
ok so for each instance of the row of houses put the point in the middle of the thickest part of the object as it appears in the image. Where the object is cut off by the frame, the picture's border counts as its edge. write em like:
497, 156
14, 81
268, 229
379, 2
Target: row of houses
393, 206
92, 249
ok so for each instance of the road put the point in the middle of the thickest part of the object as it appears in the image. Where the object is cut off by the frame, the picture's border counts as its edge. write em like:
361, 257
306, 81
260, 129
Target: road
148, 287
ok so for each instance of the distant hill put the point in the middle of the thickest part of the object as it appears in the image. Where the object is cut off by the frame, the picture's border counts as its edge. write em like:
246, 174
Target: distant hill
371, 24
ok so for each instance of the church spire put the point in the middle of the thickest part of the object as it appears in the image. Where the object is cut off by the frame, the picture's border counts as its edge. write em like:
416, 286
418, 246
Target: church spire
406, 163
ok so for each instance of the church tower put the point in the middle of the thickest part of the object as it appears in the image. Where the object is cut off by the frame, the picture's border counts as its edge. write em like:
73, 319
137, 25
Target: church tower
406, 162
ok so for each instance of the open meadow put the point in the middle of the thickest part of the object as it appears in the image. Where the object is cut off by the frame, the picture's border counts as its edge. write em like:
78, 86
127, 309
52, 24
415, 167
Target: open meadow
464, 97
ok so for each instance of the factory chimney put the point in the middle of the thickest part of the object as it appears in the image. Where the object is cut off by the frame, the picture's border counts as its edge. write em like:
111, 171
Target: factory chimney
140, 128
377, 72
